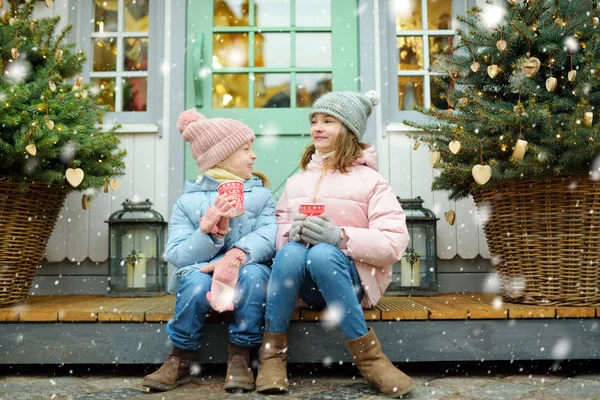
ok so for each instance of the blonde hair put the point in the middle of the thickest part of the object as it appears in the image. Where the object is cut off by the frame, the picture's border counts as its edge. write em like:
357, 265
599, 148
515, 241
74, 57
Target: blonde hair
347, 150
263, 177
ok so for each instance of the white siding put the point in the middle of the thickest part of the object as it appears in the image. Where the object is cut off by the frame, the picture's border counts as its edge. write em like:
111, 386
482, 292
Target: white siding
81, 234
411, 175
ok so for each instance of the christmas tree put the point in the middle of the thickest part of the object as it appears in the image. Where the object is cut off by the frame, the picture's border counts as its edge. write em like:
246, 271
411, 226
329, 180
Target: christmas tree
49, 119
522, 88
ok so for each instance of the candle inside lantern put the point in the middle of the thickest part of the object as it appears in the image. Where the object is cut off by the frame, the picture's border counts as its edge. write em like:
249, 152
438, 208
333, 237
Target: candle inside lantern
410, 268
136, 270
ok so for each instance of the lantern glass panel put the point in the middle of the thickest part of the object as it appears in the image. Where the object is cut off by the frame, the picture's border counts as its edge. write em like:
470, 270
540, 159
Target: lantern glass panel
416, 272
137, 266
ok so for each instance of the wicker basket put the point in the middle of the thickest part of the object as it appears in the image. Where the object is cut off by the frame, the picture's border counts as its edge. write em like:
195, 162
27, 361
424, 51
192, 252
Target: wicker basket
27, 218
544, 237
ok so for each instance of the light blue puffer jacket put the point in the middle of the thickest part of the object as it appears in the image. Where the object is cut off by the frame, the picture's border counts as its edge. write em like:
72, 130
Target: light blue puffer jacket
254, 232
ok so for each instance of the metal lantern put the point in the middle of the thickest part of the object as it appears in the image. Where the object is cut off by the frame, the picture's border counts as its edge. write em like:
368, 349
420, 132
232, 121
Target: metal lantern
416, 272
136, 247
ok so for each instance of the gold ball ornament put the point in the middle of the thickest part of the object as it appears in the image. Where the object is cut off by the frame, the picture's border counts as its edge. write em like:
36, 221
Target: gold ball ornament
463, 101
595, 21
50, 124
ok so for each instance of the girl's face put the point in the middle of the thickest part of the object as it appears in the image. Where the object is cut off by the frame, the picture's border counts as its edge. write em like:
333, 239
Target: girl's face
324, 130
240, 163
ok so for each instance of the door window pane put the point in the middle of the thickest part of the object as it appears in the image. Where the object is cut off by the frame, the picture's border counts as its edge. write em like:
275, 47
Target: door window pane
272, 50
106, 14
439, 14
272, 90
272, 13
104, 56
436, 95
136, 54
407, 14
410, 92
135, 91
310, 87
136, 15
438, 46
313, 13
105, 88
313, 50
230, 50
230, 13
230, 90
410, 52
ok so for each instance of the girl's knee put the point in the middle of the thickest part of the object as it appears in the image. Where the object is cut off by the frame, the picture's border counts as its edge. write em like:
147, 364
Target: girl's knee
254, 273
291, 251
321, 253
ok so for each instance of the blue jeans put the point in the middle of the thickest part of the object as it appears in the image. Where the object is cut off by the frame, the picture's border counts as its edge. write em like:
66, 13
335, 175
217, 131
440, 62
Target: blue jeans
185, 329
332, 281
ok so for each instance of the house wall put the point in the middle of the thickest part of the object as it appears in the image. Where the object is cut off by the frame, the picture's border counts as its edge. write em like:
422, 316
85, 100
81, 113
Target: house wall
76, 255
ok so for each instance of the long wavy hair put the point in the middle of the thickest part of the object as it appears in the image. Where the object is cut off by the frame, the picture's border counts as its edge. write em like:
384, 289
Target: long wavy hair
347, 149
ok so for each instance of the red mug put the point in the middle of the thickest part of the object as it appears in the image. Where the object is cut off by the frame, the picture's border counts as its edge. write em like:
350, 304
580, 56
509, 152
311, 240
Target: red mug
235, 189
312, 209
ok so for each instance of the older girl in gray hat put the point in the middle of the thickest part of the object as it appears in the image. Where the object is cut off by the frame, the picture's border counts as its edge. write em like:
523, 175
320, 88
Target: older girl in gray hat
343, 258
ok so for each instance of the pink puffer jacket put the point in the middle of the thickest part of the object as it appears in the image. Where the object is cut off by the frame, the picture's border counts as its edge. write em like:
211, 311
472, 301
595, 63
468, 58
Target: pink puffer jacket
362, 203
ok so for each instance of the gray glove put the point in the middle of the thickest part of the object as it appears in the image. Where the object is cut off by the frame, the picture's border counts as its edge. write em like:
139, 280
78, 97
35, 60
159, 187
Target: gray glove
317, 230
297, 227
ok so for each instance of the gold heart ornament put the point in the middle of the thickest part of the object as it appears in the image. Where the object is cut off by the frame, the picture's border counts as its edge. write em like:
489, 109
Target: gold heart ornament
492, 71
481, 173
74, 176
530, 66
450, 217
434, 158
454, 146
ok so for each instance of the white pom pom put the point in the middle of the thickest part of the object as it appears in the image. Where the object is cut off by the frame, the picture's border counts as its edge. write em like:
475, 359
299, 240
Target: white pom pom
373, 96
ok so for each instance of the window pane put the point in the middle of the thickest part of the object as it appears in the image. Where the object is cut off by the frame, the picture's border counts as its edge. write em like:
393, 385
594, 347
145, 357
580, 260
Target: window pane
272, 50
272, 12
106, 16
313, 13
438, 46
272, 90
313, 50
436, 95
310, 86
439, 14
230, 50
410, 92
230, 13
410, 52
407, 13
104, 55
230, 90
135, 90
105, 88
136, 15
136, 54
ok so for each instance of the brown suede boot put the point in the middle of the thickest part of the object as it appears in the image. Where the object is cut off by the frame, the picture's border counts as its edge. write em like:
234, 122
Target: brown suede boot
239, 375
174, 372
376, 368
272, 370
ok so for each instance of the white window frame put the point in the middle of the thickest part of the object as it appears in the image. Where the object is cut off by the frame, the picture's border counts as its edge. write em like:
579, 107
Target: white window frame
81, 15
388, 22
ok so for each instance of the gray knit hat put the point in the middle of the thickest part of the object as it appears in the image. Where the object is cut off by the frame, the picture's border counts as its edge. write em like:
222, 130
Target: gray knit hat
352, 108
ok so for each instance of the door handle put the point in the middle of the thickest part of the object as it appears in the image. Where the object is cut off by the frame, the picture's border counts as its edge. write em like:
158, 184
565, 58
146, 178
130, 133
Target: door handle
198, 61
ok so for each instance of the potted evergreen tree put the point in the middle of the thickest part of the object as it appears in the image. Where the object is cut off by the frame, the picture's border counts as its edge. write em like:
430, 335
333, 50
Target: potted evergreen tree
521, 134
50, 139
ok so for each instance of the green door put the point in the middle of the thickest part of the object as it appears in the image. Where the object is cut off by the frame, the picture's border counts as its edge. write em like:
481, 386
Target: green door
264, 62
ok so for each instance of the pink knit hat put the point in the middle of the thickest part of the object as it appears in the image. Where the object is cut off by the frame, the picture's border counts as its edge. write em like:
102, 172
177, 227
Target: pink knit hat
212, 140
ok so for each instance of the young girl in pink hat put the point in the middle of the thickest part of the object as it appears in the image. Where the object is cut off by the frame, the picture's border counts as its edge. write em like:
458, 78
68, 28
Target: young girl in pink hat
221, 261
